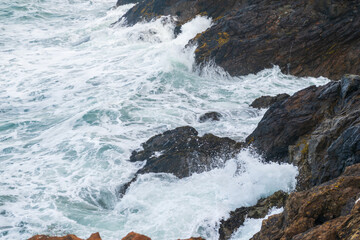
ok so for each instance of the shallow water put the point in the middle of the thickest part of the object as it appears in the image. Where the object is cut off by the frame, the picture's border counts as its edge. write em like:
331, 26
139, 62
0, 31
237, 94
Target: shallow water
77, 96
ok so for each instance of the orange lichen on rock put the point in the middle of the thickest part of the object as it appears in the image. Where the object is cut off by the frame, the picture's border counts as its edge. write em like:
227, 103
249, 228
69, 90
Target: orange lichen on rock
135, 236
94, 236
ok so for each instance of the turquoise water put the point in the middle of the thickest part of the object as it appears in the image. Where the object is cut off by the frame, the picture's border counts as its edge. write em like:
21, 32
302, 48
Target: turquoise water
77, 96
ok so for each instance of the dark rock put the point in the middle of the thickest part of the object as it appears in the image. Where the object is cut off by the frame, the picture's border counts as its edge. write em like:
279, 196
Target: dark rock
210, 116
183, 10
260, 210
304, 38
267, 101
123, 2
316, 129
182, 152
319, 213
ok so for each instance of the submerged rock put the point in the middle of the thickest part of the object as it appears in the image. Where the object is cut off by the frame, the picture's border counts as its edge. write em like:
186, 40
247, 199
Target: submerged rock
260, 210
210, 116
94, 236
316, 129
267, 101
182, 152
328, 211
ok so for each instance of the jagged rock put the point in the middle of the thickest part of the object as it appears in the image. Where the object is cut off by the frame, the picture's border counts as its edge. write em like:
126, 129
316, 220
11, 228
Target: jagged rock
328, 211
305, 38
94, 236
316, 129
260, 210
135, 236
267, 101
210, 116
183, 10
182, 152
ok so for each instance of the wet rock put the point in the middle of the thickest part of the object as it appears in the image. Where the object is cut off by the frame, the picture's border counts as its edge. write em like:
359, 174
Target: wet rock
267, 101
135, 236
304, 38
260, 210
123, 2
182, 152
316, 129
182, 10
210, 116
328, 211
94, 236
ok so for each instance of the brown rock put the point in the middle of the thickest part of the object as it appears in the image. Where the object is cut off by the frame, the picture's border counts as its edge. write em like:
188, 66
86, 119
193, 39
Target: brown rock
135, 236
319, 213
94, 236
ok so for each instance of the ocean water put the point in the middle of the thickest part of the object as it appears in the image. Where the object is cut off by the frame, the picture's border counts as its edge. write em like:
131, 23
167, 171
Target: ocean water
77, 96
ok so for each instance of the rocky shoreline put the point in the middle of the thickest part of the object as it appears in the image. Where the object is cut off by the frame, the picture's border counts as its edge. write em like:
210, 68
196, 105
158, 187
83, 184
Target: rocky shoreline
317, 129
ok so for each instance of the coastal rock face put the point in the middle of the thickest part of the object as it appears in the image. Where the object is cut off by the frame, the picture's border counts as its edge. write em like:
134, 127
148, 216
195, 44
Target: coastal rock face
267, 101
94, 236
305, 38
328, 211
260, 210
316, 129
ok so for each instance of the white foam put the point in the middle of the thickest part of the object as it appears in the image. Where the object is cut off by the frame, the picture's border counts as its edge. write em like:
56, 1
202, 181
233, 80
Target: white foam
252, 226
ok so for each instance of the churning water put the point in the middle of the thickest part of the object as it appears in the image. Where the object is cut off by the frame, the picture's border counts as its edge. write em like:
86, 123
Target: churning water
77, 96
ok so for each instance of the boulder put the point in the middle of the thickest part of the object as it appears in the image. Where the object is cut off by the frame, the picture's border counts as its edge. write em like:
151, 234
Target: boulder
210, 116
328, 211
182, 152
260, 210
267, 101
304, 38
316, 129
94, 236
135, 236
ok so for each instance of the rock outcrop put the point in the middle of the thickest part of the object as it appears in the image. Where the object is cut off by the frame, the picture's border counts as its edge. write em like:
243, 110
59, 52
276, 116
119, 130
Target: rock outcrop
94, 236
305, 38
328, 211
260, 210
182, 152
267, 101
316, 129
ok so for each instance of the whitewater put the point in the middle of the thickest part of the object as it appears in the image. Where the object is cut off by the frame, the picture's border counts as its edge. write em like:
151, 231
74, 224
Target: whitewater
78, 95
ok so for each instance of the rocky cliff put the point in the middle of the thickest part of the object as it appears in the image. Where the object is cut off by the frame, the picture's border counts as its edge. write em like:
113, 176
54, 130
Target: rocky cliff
305, 38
